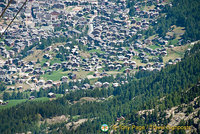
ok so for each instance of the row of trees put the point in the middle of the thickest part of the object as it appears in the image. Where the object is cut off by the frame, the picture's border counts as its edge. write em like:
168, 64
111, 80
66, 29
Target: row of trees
14, 95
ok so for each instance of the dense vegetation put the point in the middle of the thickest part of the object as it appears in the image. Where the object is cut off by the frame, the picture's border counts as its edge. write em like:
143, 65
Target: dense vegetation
139, 94
183, 13
175, 83
2, 86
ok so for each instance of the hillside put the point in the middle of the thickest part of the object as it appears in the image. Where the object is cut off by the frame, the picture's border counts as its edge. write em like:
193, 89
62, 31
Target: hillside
135, 95
81, 67
182, 13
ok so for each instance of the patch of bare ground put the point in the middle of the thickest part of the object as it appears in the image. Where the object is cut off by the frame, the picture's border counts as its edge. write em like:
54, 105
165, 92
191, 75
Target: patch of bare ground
38, 54
85, 54
54, 120
87, 99
75, 124
21, 86
93, 77
144, 111
181, 115
176, 52
181, 48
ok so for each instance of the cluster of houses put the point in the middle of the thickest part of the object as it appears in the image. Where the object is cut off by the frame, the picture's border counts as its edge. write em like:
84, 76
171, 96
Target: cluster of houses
107, 25
3, 103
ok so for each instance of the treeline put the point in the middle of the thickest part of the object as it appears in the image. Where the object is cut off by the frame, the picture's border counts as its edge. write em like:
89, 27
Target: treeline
142, 93
14, 95
2, 86
25, 116
26, 94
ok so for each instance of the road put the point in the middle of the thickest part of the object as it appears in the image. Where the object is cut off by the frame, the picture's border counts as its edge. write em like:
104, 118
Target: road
91, 27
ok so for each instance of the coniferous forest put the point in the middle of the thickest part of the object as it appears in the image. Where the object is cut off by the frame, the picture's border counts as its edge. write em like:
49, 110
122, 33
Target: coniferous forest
172, 82
147, 99
184, 13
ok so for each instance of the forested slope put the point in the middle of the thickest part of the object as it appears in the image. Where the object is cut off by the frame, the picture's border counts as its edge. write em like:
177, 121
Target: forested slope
140, 94
183, 13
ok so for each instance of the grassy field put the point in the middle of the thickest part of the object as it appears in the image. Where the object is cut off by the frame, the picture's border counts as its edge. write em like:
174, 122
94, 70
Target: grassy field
115, 72
7, 47
84, 54
52, 61
96, 50
82, 74
173, 42
154, 47
147, 8
90, 73
38, 54
55, 60
176, 52
177, 31
139, 63
56, 75
12, 103
92, 81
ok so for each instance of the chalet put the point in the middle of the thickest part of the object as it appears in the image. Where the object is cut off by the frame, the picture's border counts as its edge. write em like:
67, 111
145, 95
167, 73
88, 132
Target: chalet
56, 84
86, 86
9, 42
1, 102
126, 63
177, 60
118, 66
171, 46
104, 74
164, 53
145, 60
96, 74
54, 15
46, 64
133, 66
127, 70
72, 76
49, 82
75, 88
143, 69
31, 98
40, 82
115, 84
105, 85
47, 56
98, 84
51, 95
64, 78
111, 67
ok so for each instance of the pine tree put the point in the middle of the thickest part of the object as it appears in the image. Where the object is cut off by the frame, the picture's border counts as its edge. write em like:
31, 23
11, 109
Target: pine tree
6, 96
